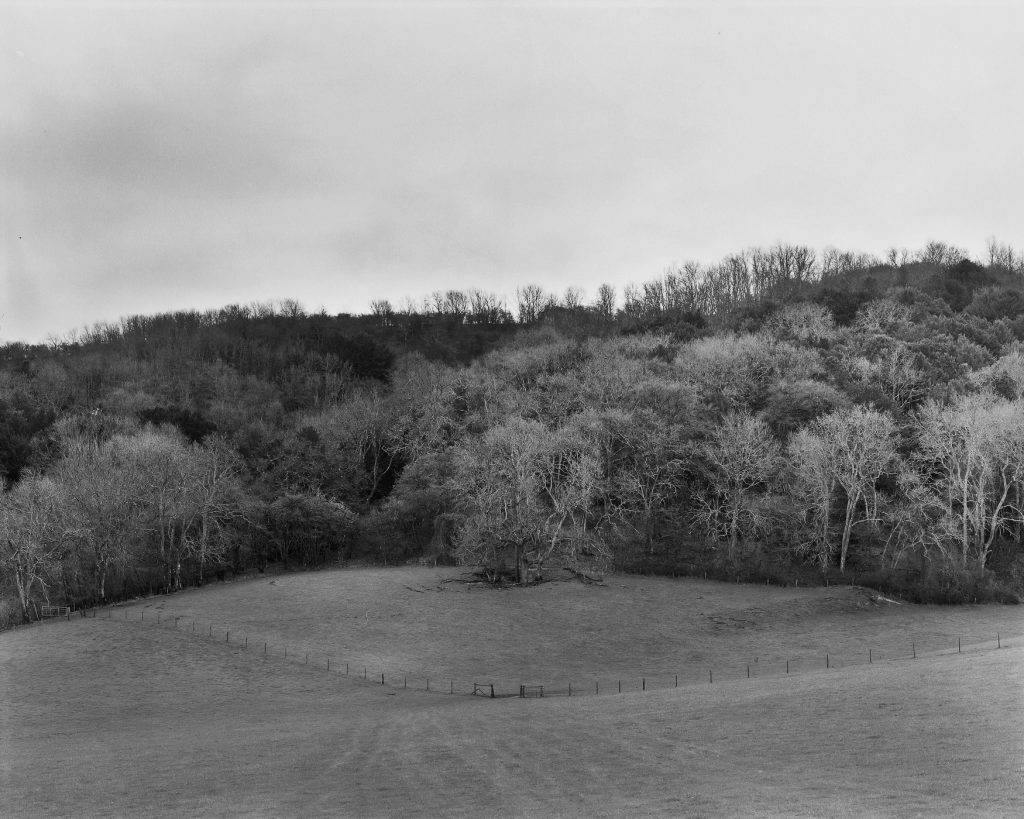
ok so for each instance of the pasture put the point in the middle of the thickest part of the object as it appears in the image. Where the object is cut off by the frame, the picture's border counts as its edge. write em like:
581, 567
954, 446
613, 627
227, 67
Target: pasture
115, 717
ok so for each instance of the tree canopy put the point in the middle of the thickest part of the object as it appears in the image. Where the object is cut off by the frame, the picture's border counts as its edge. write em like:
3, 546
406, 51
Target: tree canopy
782, 414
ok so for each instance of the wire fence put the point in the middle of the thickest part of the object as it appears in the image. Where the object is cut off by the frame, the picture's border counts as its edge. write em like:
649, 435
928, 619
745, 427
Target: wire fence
689, 674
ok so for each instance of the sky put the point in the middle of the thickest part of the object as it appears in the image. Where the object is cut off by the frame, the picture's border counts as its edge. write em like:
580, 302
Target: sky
164, 156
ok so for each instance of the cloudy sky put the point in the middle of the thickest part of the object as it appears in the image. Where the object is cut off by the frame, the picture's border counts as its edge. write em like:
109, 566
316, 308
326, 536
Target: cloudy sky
158, 156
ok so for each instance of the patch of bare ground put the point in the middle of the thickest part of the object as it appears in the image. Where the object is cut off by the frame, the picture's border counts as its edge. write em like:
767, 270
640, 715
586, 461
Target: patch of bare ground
100, 717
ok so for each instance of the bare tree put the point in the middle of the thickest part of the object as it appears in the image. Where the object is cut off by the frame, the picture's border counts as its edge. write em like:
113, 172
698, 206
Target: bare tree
741, 454
1000, 255
383, 312
973, 456
632, 301
486, 308
532, 301
897, 256
941, 254
32, 538
216, 499
642, 459
846, 449
573, 298
525, 495
805, 322
605, 302
882, 316
102, 502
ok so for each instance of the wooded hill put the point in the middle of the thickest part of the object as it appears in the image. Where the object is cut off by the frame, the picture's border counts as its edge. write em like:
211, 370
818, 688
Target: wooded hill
782, 415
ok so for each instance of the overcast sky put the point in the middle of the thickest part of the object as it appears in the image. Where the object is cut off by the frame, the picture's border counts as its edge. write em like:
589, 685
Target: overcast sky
166, 156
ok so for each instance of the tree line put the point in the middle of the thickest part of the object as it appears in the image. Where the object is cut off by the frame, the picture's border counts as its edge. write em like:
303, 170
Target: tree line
783, 415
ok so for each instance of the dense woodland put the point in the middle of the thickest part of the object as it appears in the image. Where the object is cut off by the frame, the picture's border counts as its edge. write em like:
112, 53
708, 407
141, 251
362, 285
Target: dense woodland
784, 415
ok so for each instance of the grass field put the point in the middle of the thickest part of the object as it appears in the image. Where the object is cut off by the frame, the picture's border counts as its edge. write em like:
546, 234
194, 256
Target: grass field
108, 717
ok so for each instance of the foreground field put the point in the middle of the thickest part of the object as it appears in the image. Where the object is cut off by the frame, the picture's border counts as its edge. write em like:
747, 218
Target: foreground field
107, 717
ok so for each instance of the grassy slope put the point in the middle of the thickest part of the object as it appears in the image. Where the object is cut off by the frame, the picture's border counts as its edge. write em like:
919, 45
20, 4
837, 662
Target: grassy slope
418, 622
103, 717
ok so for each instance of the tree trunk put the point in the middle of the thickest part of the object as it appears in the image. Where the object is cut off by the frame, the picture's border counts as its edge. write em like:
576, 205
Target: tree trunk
851, 507
734, 526
22, 595
202, 549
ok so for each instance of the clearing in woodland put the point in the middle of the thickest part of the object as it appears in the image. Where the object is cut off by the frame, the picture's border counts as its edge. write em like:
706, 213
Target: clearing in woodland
143, 716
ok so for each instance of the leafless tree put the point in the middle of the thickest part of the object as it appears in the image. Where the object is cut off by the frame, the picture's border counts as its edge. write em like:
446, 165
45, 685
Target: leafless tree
1000, 255
383, 312
897, 257
532, 299
573, 298
972, 453
742, 454
32, 538
846, 449
605, 302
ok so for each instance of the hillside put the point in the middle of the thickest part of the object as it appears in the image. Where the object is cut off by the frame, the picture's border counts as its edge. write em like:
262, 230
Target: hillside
781, 415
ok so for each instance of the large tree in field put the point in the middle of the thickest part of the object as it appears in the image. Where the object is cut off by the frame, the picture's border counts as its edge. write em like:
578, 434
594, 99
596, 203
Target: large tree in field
740, 455
847, 450
525, 494
972, 455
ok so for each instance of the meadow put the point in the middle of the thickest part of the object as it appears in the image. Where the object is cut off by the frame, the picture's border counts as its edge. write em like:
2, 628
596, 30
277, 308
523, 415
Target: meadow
144, 717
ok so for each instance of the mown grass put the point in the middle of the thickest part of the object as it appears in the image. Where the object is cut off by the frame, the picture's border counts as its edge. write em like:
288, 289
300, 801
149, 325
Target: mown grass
431, 624
100, 717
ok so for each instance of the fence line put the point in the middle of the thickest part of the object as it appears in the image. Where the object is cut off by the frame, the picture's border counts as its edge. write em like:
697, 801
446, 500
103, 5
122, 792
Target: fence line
600, 685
